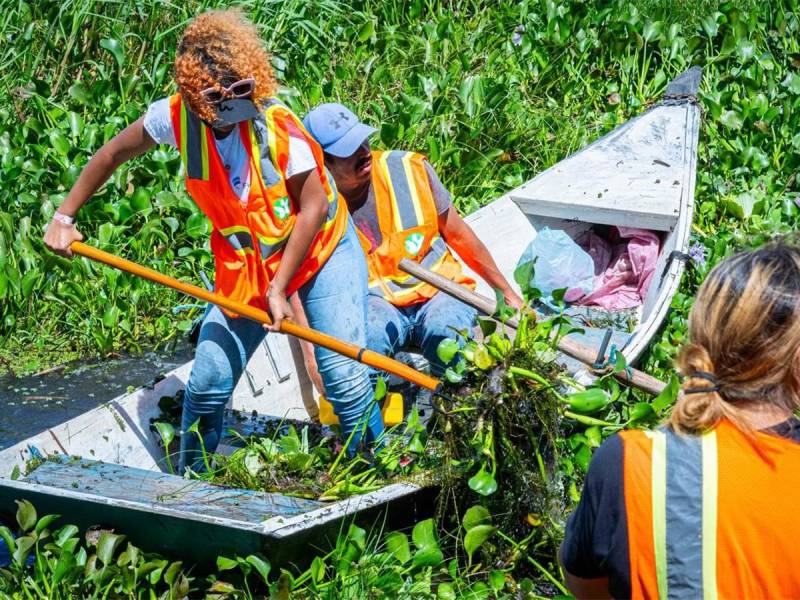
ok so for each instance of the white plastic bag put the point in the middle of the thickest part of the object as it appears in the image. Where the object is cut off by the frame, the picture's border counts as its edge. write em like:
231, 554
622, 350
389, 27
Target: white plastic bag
560, 263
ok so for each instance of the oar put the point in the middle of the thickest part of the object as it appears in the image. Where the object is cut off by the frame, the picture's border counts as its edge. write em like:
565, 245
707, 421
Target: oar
362, 355
576, 350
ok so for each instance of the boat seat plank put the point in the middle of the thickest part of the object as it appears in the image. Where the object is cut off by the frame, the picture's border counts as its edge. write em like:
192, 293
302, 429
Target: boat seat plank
634, 176
155, 488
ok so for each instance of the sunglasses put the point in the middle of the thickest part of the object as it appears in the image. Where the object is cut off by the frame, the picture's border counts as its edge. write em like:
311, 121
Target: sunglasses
238, 89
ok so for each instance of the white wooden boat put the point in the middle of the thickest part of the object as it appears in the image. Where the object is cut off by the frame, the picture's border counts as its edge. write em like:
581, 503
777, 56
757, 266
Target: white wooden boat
642, 174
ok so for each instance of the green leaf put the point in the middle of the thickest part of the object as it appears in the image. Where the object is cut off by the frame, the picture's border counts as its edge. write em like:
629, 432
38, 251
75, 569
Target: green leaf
398, 546
141, 199
171, 574
640, 411
483, 482
667, 396
60, 142
107, 545
475, 538
588, 401
8, 538
262, 566
445, 591
26, 515
428, 553
23, 548
166, 431
476, 515
731, 119
78, 92
447, 349
45, 522
226, 564
453, 376
380, 388
116, 48
652, 30
197, 225
497, 579
15, 471
488, 326
482, 359
366, 31
792, 83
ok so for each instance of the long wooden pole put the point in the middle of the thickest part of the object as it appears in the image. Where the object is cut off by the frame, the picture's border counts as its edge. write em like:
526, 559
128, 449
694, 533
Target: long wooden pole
368, 357
576, 350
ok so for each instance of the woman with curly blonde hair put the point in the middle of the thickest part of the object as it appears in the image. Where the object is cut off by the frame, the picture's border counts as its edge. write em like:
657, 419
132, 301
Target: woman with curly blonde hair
705, 505
279, 226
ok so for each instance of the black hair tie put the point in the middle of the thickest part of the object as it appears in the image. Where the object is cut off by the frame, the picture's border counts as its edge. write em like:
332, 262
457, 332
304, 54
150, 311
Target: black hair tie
710, 377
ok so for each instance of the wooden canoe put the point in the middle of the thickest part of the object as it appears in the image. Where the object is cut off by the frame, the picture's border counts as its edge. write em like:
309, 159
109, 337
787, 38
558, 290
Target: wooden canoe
642, 174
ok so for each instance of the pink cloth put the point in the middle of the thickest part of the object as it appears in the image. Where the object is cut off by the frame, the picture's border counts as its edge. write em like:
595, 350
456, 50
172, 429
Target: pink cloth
623, 270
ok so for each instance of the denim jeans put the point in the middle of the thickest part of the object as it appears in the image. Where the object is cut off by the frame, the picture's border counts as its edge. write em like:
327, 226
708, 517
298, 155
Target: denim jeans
335, 302
393, 328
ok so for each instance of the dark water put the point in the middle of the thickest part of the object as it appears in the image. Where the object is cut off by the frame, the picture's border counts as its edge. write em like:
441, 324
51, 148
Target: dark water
29, 405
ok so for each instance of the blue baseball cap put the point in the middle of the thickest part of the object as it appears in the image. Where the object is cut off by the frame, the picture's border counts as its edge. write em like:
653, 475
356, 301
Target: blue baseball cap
337, 129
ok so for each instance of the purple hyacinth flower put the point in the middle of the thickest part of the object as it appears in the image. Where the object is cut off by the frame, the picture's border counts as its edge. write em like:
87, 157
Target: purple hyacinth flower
697, 252
516, 38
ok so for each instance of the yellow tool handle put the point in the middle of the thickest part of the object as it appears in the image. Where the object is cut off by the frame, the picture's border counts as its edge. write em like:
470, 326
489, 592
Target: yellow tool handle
368, 357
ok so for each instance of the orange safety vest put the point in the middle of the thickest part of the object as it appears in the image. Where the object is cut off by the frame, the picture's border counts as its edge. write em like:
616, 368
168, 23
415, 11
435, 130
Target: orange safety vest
409, 227
248, 240
712, 516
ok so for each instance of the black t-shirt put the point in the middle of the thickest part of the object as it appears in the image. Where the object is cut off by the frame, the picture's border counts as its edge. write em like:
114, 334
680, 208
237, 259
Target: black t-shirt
596, 536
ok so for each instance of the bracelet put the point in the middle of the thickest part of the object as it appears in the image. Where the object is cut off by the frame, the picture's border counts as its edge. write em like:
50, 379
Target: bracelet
62, 218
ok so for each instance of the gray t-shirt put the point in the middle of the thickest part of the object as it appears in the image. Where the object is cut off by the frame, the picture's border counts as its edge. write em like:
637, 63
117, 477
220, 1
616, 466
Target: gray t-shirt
366, 217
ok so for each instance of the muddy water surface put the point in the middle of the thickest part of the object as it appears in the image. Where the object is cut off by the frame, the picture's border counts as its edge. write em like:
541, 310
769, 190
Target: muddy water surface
29, 405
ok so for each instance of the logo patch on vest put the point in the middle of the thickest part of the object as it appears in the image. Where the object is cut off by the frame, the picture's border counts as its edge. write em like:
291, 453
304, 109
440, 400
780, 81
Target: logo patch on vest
281, 208
413, 243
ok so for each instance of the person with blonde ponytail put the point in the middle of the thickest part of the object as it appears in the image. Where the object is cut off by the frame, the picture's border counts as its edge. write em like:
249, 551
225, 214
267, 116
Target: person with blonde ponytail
705, 506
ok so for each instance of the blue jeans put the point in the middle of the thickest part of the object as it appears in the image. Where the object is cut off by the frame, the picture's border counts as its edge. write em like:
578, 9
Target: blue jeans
335, 302
393, 328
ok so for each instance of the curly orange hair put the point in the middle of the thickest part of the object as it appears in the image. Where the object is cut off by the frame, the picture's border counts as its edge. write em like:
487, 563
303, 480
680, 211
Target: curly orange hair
217, 48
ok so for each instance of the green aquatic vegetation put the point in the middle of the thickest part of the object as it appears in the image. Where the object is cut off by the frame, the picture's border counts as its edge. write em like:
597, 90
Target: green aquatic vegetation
306, 459
54, 561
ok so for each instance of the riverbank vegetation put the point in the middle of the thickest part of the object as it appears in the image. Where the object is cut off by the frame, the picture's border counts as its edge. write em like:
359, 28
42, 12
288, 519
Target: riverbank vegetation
492, 94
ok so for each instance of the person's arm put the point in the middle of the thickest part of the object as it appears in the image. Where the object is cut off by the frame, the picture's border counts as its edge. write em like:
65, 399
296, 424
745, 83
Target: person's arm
309, 195
309, 359
460, 237
129, 143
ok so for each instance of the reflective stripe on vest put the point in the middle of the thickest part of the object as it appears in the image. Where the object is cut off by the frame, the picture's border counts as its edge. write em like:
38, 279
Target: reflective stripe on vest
403, 191
408, 222
239, 237
404, 285
194, 145
684, 497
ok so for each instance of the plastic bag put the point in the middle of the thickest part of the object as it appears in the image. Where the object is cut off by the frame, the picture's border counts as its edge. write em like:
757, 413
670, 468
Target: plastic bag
560, 263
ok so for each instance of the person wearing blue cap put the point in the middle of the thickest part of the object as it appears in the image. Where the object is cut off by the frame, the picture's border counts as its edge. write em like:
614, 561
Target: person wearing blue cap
402, 210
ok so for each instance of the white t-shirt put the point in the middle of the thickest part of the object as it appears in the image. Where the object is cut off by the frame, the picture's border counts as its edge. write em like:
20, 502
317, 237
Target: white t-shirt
158, 124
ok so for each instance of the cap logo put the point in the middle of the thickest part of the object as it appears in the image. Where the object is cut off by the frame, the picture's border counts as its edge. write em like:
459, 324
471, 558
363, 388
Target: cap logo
336, 123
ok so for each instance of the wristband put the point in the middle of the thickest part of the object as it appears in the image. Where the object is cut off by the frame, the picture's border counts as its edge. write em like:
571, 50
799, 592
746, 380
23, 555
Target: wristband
62, 218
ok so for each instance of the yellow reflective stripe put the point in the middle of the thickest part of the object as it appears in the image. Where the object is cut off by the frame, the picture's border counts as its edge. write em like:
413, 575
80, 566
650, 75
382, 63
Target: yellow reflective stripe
412, 186
255, 149
184, 153
234, 229
204, 149
659, 497
710, 485
398, 222
272, 139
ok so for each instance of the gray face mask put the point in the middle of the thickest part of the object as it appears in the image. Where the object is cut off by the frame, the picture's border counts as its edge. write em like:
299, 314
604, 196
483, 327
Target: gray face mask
230, 112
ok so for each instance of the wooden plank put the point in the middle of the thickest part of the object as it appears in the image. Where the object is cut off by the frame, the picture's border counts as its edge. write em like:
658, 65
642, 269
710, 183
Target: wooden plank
168, 491
634, 176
